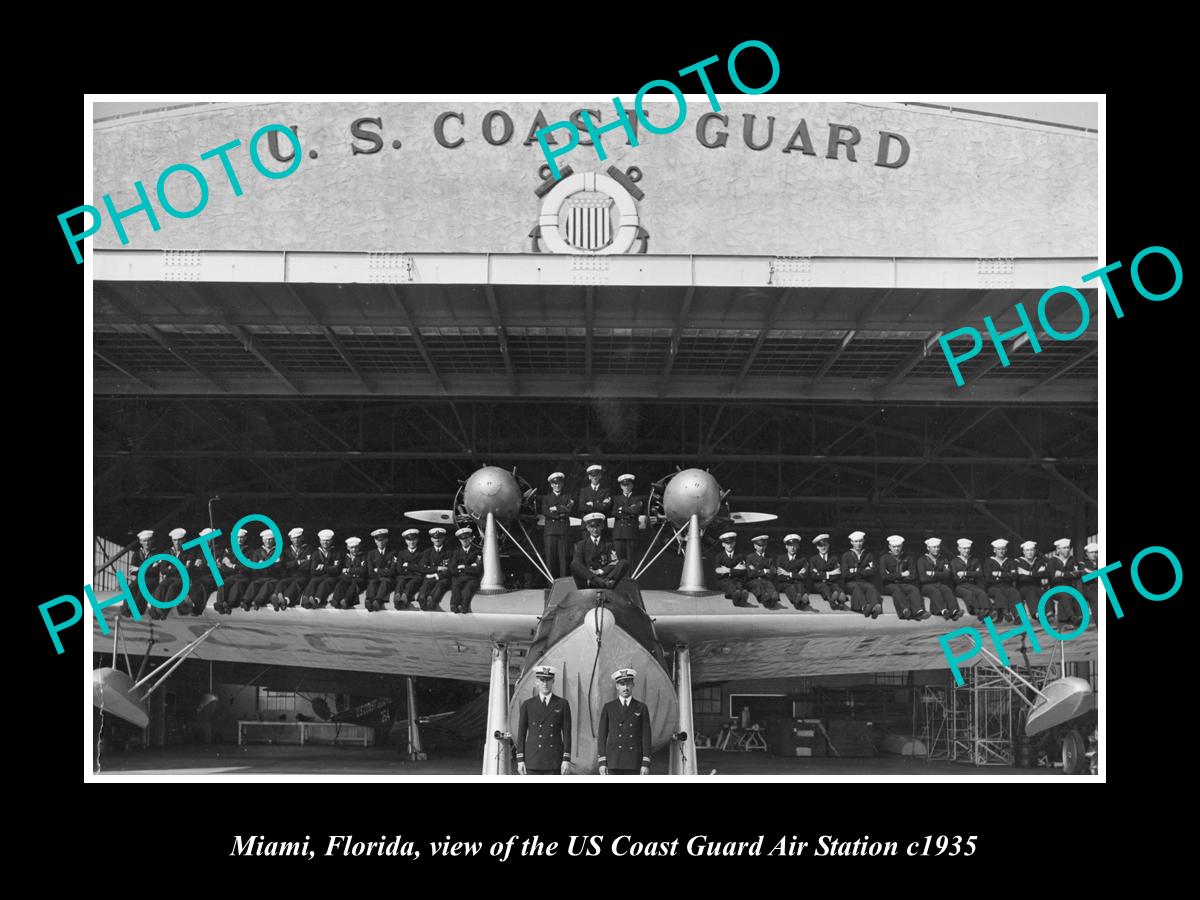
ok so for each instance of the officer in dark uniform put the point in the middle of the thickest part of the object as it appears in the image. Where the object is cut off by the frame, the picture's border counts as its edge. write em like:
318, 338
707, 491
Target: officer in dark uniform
324, 568
966, 577
170, 580
466, 568
858, 568
900, 580
140, 554
556, 508
407, 571
353, 578
791, 574
380, 571
595, 563
826, 573
626, 733
1065, 570
933, 573
235, 576
758, 573
593, 497
1089, 565
295, 571
543, 737
435, 565
730, 569
1033, 576
265, 580
626, 509
1000, 579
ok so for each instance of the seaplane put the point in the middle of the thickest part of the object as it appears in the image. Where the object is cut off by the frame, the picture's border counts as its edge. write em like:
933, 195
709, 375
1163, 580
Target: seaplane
674, 638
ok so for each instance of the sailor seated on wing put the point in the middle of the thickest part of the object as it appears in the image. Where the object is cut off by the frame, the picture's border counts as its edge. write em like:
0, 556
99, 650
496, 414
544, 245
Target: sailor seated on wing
792, 574
595, 562
730, 569
758, 573
827, 574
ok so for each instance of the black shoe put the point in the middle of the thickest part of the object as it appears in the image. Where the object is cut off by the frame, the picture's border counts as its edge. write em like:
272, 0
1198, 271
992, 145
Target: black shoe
904, 614
922, 615
876, 610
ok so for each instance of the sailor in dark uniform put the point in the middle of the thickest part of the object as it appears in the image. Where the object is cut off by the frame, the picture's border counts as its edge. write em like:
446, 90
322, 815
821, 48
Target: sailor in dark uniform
858, 568
235, 575
380, 574
353, 578
899, 575
933, 574
295, 571
264, 581
435, 565
406, 568
595, 563
466, 568
966, 577
1033, 577
1000, 578
626, 510
324, 569
730, 569
1089, 565
758, 573
626, 733
826, 572
1065, 570
543, 737
556, 508
171, 581
593, 497
137, 558
791, 574
203, 583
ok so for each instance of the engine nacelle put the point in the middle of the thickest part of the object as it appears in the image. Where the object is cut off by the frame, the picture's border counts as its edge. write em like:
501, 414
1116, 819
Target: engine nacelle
691, 491
492, 490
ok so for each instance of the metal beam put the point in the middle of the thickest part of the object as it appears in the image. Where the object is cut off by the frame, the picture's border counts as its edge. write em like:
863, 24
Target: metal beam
108, 361
398, 301
1065, 368
589, 315
910, 363
863, 320
502, 335
162, 340
772, 317
685, 306
1049, 469
334, 340
249, 342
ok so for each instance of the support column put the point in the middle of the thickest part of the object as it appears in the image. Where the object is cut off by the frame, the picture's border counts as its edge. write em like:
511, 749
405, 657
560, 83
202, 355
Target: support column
414, 729
493, 575
496, 757
683, 749
692, 579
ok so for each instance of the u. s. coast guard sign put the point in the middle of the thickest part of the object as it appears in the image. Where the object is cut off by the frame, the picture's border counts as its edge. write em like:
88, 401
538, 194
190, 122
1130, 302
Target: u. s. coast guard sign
590, 213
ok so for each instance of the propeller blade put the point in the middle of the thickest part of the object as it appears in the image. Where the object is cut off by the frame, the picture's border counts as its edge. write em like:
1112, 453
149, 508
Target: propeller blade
749, 518
434, 516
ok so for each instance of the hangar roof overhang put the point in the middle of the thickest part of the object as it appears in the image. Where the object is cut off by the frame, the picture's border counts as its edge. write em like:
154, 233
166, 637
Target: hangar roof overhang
527, 326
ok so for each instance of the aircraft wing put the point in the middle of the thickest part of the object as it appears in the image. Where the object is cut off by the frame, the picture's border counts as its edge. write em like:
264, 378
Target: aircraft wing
726, 642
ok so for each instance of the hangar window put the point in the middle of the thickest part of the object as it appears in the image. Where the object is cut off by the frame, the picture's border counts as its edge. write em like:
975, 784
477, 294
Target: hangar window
707, 700
276, 701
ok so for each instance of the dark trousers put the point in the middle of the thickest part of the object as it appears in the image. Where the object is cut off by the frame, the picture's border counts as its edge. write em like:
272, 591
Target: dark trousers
833, 594
318, 590
974, 597
346, 591
1004, 597
1089, 592
557, 547
462, 589
1068, 606
529, 771
624, 771
166, 592
624, 548
764, 591
863, 595
942, 601
907, 600
796, 594
377, 591
259, 593
1031, 596
432, 592
613, 572
290, 589
734, 589
407, 591
230, 593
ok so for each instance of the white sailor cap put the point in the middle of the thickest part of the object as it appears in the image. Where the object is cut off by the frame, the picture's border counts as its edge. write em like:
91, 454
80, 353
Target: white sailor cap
296, 532
857, 535
204, 531
626, 477
624, 675
999, 543
145, 535
595, 467
933, 542
1091, 548
465, 531
895, 540
593, 517
436, 531
242, 532
729, 537
546, 672
353, 541
178, 534
556, 476
325, 534
1029, 545
267, 533
792, 538
1062, 543
410, 533
379, 532
820, 537
759, 539
965, 543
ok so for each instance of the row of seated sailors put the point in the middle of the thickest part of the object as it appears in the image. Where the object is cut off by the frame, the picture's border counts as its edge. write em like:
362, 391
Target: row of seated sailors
991, 587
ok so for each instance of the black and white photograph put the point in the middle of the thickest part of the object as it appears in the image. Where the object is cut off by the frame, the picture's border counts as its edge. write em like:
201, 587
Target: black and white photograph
501, 438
